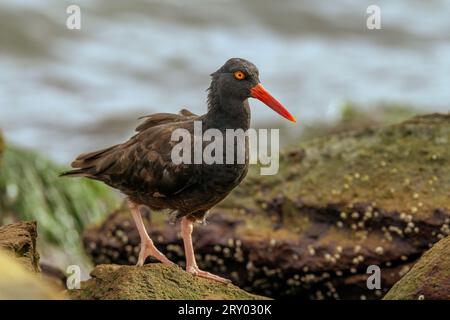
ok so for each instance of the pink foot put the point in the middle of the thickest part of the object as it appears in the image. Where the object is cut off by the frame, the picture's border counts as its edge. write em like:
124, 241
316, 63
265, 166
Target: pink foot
149, 249
203, 274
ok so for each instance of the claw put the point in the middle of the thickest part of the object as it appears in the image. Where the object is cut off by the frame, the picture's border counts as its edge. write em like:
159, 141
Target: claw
204, 274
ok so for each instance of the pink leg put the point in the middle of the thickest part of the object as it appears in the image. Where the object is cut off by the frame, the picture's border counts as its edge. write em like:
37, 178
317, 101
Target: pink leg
147, 246
191, 265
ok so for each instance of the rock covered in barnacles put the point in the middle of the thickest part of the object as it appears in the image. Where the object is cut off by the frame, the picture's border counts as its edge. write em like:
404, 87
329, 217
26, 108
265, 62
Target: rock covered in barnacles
153, 281
338, 205
428, 279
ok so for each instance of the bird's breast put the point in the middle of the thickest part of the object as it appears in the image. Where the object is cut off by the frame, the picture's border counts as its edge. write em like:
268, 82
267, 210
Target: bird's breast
221, 179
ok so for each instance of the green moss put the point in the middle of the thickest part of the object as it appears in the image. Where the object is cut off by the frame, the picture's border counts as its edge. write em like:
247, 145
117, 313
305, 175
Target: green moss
153, 282
399, 167
2, 144
353, 117
428, 279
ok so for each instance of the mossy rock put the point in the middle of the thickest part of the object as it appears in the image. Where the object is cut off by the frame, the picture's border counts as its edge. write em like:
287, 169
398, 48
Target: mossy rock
153, 282
428, 279
394, 167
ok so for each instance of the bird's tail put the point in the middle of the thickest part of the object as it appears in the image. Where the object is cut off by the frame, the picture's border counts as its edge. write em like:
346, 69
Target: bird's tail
75, 173
89, 164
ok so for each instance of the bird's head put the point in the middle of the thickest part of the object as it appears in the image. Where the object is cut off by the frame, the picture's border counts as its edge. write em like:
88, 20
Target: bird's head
239, 79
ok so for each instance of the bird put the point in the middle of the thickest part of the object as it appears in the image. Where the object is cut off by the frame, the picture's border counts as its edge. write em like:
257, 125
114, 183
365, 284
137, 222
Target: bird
142, 168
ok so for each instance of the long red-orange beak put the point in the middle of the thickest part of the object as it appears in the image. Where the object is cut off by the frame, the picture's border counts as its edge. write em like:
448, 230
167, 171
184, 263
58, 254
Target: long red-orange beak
260, 93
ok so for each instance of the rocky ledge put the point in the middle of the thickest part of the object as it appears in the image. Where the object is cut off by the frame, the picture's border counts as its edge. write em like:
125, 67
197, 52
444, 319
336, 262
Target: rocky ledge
19, 239
428, 279
19, 264
153, 281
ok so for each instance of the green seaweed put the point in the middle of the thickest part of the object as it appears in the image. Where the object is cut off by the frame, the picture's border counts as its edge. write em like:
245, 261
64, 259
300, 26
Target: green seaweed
30, 189
2, 146
428, 279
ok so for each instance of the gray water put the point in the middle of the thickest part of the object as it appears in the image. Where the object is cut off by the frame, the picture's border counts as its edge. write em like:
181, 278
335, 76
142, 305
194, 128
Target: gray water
65, 91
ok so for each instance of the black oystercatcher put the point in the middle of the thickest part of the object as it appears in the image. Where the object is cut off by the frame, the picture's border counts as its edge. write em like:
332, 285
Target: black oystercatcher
142, 167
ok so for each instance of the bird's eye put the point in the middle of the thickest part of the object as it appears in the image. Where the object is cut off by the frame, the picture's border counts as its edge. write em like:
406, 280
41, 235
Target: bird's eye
239, 75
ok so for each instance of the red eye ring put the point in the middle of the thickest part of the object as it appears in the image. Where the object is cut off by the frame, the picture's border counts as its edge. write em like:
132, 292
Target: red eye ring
239, 75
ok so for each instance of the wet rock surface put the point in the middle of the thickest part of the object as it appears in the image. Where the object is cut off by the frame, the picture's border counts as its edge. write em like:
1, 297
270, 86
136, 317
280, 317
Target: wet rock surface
429, 278
153, 281
338, 205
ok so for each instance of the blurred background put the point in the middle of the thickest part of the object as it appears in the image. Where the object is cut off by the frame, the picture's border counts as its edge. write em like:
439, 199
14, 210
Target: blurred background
63, 92
66, 91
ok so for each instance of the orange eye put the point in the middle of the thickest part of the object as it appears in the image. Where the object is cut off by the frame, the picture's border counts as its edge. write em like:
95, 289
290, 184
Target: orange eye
239, 75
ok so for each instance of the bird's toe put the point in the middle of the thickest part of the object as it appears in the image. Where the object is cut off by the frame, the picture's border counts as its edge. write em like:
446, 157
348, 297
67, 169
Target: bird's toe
204, 274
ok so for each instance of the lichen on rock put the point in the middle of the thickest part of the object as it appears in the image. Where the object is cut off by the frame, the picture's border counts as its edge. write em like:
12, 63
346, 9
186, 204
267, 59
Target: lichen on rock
428, 279
153, 281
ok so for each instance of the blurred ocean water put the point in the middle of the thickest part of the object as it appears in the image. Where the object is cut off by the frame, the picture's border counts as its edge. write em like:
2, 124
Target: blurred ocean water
65, 91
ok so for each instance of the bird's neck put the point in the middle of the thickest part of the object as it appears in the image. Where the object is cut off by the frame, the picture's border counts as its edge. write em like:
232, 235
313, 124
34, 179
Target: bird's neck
225, 112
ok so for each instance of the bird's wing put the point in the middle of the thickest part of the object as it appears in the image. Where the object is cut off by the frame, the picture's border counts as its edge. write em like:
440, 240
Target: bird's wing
161, 118
143, 163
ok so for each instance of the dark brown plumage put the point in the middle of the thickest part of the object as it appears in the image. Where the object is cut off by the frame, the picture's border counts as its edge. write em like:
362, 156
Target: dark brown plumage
142, 167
